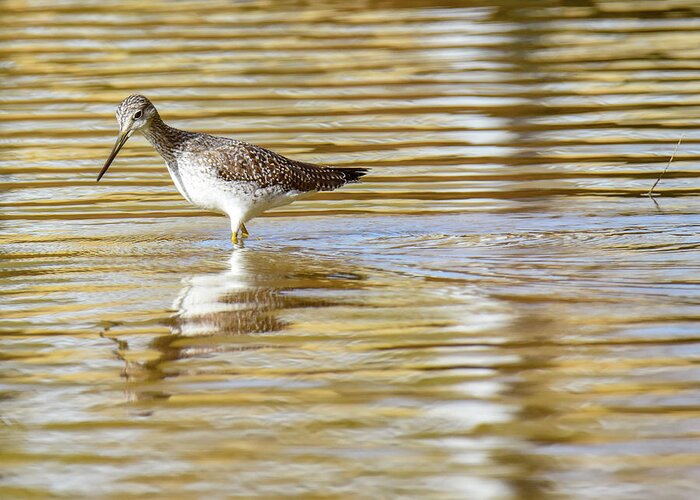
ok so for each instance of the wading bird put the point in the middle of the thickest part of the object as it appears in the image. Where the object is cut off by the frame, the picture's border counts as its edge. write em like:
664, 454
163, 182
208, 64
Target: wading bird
225, 175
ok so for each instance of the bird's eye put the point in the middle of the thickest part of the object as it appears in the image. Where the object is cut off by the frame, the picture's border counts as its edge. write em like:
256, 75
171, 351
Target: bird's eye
138, 114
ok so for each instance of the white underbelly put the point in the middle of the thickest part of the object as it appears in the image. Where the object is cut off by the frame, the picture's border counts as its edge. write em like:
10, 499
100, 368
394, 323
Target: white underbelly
239, 200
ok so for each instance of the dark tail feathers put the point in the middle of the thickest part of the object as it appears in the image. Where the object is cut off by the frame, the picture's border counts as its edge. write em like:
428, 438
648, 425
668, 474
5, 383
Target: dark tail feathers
353, 174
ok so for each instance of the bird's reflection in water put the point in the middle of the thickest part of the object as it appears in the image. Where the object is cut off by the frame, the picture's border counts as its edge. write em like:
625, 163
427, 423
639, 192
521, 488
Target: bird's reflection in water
232, 302
245, 300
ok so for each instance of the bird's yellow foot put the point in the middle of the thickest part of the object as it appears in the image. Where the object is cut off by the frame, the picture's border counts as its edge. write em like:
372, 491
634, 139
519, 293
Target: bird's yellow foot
244, 234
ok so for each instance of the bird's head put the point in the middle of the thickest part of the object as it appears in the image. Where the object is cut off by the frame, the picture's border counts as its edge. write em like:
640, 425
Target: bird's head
133, 113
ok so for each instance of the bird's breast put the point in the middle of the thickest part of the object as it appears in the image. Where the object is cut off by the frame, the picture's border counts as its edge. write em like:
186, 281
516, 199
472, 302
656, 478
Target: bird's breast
177, 177
202, 187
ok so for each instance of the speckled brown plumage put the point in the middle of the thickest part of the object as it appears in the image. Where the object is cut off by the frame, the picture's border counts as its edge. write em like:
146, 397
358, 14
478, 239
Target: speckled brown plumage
235, 160
240, 161
243, 161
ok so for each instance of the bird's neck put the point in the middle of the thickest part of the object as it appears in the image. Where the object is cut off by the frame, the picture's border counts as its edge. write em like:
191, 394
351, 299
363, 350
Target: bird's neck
167, 140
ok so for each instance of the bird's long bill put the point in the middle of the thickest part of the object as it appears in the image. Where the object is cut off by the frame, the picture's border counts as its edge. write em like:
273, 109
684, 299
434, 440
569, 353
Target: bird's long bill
121, 140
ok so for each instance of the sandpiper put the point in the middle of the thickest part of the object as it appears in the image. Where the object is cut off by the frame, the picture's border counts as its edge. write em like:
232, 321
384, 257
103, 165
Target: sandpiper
225, 175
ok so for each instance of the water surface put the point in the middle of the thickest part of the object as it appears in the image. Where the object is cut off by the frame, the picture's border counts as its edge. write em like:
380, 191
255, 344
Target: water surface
497, 312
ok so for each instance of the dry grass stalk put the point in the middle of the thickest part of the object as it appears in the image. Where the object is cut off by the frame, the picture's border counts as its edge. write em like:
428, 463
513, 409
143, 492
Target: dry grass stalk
650, 193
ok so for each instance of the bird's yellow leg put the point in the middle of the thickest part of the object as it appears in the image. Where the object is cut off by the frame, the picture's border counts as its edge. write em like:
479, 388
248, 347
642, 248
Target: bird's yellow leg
244, 231
234, 237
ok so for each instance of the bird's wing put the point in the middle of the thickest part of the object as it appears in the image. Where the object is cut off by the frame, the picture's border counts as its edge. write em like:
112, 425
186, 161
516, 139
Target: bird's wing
240, 161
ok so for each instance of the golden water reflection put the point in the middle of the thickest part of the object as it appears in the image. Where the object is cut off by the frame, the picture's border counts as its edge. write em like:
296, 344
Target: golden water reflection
245, 343
234, 310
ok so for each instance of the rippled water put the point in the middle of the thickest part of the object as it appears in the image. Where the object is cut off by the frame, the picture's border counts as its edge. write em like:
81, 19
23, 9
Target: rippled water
497, 312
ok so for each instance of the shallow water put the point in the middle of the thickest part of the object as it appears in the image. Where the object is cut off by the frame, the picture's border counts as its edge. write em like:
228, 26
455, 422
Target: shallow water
497, 312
